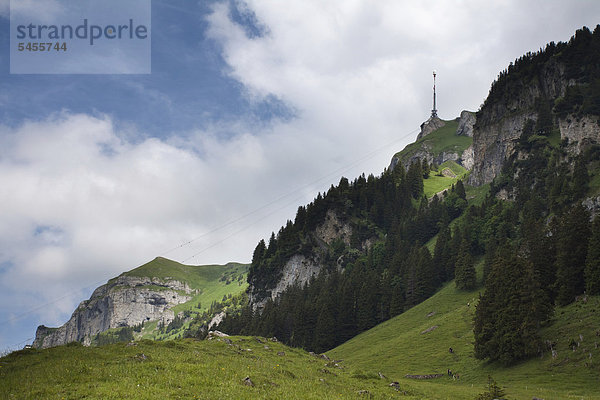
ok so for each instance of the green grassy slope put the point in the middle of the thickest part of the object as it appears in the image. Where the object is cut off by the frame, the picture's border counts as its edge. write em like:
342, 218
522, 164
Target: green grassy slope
184, 369
399, 347
451, 173
438, 141
197, 276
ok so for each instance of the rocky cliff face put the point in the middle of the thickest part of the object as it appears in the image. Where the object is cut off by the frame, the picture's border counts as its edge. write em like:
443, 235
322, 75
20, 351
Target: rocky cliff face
493, 144
580, 131
465, 124
124, 301
500, 122
300, 268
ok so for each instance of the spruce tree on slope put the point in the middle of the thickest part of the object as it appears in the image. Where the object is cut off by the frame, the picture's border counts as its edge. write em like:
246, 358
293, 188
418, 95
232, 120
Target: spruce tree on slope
509, 313
465, 277
571, 253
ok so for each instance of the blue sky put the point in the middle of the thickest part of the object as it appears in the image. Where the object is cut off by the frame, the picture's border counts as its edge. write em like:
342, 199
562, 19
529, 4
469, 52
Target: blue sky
188, 87
251, 109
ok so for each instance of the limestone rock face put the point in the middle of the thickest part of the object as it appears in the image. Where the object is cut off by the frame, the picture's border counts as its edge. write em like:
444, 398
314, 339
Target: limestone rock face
217, 319
500, 122
429, 126
468, 158
300, 268
493, 144
580, 132
333, 228
465, 124
593, 206
124, 301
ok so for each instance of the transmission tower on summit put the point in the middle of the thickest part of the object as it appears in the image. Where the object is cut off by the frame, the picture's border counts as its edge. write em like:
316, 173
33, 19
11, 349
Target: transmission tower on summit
434, 110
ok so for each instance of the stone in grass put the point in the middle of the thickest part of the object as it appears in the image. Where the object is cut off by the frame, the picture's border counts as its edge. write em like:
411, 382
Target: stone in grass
248, 382
429, 329
215, 334
281, 353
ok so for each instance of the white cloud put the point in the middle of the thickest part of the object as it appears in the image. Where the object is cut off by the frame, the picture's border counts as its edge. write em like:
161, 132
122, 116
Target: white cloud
370, 62
81, 204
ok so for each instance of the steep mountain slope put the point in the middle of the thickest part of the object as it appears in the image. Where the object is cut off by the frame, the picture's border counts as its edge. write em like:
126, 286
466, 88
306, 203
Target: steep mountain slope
418, 342
152, 294
358, 224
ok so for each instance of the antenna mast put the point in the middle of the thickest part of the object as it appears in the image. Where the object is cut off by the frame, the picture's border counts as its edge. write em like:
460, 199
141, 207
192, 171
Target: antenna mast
434, 110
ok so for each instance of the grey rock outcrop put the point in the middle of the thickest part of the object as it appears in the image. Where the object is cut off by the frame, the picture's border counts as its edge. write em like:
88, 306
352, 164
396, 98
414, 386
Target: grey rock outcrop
123, 301
465, 123
579, 132
216, 320
500, 122
432, 124
333, 228
493, 144
297, 271
593, 206
468, 158
300, 268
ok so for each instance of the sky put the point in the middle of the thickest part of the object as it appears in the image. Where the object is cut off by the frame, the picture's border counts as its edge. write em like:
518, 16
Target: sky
251, 109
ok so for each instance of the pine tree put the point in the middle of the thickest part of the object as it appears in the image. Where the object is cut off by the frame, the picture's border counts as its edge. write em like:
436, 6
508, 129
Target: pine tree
366, 304
346, 325
581, 178
509, 313
465, 276
397, 301
537, 245
544, 121
325, 329
571, 253
459, 189
414, 178
488, 259
493, 391
440, 254
592, 263
452, 249
426, 169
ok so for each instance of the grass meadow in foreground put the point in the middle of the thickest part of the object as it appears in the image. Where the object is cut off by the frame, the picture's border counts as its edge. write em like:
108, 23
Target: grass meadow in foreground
186, 369
418, 342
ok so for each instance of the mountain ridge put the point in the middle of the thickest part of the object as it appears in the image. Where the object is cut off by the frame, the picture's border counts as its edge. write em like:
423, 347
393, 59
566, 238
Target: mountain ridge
147, 294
